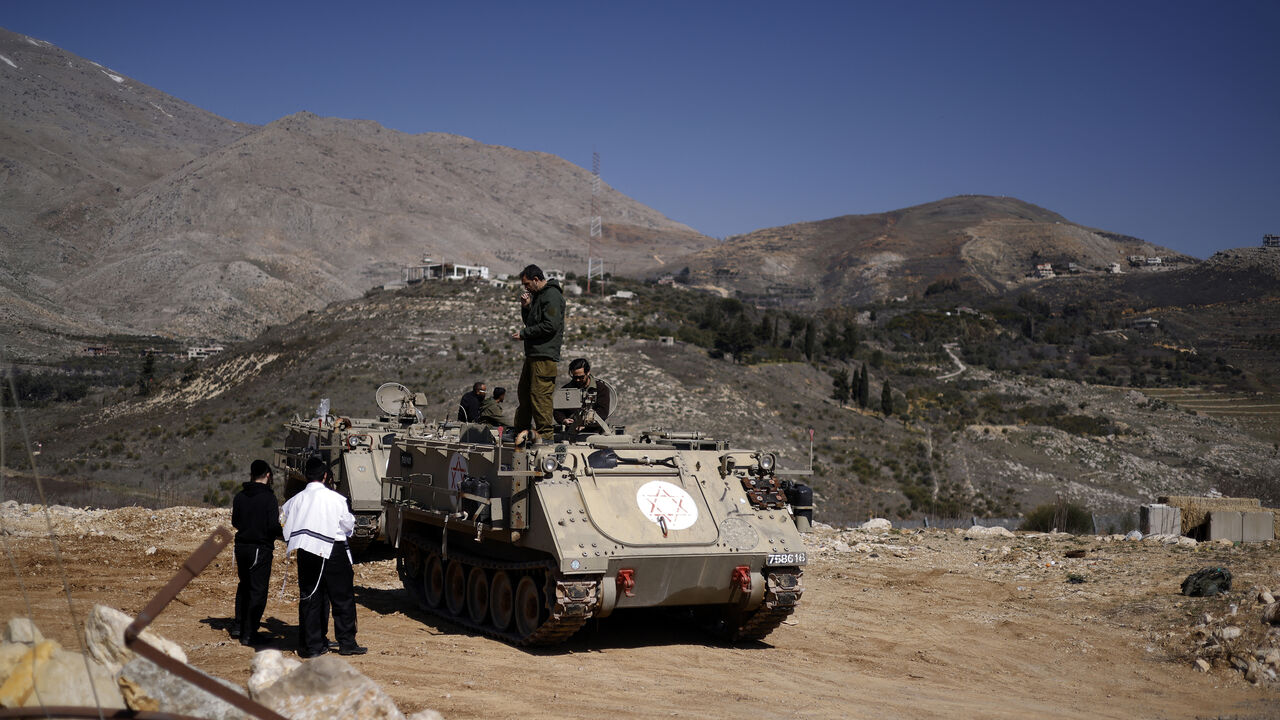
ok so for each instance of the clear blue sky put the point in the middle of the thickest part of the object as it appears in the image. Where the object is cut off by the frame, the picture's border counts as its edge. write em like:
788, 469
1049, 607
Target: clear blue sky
1154, 119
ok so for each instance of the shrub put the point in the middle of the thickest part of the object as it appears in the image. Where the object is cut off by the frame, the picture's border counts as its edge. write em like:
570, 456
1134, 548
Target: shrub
1061, 516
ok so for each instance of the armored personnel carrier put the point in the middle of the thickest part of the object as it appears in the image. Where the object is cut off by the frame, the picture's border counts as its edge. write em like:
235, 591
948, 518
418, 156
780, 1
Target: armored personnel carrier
528, 543
357, 450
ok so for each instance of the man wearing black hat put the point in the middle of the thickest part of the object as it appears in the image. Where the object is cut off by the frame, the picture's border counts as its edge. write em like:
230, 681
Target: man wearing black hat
255, 514
317, 524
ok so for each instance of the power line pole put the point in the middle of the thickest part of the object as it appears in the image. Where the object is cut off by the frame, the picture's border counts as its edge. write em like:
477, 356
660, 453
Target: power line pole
595, 266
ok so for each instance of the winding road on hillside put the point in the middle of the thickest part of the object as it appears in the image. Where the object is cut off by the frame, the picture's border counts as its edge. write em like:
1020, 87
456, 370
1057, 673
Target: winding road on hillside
960, 366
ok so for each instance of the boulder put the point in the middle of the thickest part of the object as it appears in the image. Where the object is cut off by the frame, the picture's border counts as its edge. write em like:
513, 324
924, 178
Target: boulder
1133, 535
267, 667
876, 524
147, 686
104, 634
48, 675
978, 531
329, 687
1271, 613
22, 630
1265, 597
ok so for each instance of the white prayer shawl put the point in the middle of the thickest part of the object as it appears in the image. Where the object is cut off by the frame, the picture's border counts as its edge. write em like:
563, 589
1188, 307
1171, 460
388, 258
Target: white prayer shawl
315, 519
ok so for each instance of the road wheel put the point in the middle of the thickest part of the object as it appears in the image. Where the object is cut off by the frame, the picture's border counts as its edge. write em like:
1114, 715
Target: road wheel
433, 580
455, 587
478, 596
501, 600
528, 608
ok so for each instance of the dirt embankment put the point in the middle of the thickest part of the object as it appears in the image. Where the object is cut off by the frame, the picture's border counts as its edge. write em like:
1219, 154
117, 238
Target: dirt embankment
920, 624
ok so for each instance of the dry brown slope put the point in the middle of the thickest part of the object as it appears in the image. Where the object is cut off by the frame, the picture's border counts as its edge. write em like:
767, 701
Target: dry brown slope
991, 241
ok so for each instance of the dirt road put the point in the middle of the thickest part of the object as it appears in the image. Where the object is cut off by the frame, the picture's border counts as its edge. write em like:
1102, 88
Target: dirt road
916, 624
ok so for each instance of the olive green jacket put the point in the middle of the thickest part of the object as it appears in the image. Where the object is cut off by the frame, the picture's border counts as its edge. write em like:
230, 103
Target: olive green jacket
543, 331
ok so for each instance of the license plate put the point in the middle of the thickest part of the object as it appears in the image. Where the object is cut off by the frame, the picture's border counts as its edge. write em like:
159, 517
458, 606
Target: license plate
797, 558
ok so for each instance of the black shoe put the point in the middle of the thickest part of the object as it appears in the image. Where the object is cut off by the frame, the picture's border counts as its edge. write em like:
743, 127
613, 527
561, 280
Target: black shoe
353, 650
305, 655
234, 632
332, 644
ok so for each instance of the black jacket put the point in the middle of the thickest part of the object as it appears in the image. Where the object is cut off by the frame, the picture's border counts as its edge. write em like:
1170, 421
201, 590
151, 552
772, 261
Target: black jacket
543, 330
255, 514
469, 407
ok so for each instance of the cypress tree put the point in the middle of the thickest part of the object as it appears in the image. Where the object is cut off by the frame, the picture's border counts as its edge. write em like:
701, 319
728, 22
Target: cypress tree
886, 399
864, 388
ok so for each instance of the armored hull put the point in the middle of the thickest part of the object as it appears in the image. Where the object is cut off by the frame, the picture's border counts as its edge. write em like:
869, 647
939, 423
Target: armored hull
527, 544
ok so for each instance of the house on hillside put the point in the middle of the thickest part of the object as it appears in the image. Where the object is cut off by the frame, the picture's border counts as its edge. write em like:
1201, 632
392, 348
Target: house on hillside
444, 271
1271, 241
1154, 261
1044, 270
1146, 323
201, 353
1114, 268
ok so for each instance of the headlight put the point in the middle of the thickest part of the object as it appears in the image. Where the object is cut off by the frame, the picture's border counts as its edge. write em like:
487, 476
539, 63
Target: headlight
549, 464
766, 462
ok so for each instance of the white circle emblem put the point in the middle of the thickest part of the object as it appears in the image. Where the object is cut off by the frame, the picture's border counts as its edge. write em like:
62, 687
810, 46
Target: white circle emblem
659, 499
457, 471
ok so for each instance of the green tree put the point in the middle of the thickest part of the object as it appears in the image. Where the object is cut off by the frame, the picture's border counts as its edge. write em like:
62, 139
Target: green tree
810, 339
864, 388
148, 374
841, 388
886, 399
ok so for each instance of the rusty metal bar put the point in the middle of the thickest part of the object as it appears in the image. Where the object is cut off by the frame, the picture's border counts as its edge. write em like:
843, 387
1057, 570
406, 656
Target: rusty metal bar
192, 567
68, 711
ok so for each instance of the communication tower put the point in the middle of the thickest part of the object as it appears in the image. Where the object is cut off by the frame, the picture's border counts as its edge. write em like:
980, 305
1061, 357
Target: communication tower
595, 266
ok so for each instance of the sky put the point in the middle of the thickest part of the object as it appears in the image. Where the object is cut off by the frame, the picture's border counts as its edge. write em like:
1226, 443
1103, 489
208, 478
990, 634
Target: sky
1159, 120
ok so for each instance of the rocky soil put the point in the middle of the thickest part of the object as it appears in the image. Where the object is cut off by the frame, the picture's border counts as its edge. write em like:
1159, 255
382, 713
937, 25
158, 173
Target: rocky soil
922, 624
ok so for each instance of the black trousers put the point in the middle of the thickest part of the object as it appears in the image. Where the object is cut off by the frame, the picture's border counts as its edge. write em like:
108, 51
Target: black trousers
253, 566
321, 583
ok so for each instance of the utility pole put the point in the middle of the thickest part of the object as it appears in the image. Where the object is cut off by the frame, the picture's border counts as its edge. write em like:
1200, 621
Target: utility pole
595, 266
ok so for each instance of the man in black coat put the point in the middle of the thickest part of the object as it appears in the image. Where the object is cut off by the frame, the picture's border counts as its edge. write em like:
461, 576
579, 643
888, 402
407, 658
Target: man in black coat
255, 514
470, 404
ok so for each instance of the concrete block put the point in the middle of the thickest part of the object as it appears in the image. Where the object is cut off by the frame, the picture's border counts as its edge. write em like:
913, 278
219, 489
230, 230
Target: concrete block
1257, 526
1160, 519
1226, 525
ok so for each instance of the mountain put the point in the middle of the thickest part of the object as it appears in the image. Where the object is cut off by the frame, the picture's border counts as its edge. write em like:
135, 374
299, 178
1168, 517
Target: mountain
126, 210
987, 243
76, 139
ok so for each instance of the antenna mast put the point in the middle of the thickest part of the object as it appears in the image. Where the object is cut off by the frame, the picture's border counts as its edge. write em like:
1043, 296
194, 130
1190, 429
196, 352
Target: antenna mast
595, 266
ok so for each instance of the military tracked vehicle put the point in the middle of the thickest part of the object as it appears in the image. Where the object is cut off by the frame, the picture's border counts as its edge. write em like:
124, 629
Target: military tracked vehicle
357, 450
527, 543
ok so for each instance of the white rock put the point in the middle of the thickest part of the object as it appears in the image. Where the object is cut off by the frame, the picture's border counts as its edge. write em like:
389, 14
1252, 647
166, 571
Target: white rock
1133, 535
267, 667
329, 687
986, 532
876, 524
104, 634
22, 630
1230, 632
1184, 541
1265, 597
426, 715
151, 550
1202, 665
841, 546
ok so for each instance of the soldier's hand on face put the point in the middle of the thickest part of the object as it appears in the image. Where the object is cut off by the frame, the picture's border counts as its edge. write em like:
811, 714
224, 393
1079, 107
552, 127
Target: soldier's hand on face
525, 299
515, 335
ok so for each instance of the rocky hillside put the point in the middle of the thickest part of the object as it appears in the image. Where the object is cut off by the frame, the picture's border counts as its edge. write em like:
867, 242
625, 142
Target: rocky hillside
985, 243
192, 437
127, 210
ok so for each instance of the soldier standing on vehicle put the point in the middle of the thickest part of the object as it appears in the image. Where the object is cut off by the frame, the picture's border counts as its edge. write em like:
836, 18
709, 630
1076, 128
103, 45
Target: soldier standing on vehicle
255, 514
542, 308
